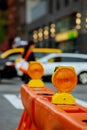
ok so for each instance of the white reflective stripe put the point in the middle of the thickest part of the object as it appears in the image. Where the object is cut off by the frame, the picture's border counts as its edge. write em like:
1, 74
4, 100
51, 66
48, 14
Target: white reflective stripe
14, 100
81, 102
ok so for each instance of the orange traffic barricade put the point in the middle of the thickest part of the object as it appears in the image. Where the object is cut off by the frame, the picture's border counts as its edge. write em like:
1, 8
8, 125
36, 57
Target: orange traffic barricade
41, 114
42, 111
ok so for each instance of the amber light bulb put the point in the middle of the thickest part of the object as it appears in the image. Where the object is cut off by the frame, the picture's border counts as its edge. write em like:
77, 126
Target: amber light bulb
35, 70
64, 79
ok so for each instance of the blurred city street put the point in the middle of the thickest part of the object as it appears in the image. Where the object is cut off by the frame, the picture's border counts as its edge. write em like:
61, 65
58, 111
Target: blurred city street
10, 102
52, 34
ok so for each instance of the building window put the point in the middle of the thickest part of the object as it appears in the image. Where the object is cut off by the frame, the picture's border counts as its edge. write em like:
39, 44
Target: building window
51, 6
75, 0
66, 24
66, 2
58, 4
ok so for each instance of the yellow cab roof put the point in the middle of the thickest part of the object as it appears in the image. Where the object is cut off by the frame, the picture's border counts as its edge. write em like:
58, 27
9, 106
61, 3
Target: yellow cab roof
47, 50
11, 51
36, 50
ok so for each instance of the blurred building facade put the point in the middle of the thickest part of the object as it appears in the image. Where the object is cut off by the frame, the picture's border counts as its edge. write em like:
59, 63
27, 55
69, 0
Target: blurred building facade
3, 20
58, 24
12, 20
50, 23
16, 17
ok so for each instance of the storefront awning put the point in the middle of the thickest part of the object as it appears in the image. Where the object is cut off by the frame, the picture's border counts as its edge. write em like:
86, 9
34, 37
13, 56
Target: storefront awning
66, 35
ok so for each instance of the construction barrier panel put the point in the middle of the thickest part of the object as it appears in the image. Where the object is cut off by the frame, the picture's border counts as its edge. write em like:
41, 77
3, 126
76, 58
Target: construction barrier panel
43, 112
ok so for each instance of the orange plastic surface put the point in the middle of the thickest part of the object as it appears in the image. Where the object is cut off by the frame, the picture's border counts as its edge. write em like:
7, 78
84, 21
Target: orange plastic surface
41, 114
26, 123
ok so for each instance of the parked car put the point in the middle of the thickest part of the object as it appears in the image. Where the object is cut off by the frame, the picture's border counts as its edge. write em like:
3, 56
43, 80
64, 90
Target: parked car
78, 61
39, 52
7, 59
7, 66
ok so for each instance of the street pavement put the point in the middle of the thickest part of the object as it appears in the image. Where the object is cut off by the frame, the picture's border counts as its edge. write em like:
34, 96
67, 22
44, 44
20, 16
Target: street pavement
10, 102
9, 115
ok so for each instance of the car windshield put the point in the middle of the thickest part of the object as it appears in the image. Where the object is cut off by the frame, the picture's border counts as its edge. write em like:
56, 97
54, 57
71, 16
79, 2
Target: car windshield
40, 55
13, 56
66, 59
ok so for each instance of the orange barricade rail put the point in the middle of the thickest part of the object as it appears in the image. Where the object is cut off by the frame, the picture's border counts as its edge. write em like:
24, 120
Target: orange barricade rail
45, 110
41, 114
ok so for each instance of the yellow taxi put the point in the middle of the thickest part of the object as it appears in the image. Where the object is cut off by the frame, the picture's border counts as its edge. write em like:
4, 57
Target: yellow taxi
13, 53
8, 59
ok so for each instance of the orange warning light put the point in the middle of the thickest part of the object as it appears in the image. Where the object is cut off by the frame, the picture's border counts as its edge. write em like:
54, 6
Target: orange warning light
35, 70
64, 79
